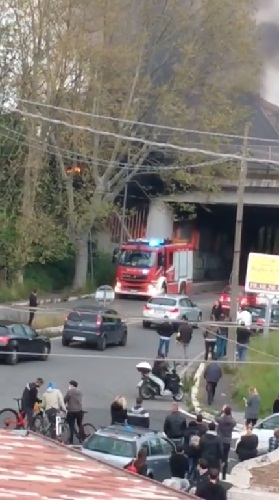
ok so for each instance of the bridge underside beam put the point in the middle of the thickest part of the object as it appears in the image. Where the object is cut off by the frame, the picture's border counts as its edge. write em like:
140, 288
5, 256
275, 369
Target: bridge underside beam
268, 198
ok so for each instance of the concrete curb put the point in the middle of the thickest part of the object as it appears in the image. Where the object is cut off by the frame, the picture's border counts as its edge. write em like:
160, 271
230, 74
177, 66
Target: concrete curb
55, 300
208, 417
240, 478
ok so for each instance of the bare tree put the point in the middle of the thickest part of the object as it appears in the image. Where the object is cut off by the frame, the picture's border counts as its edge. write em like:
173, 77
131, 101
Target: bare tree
144, 61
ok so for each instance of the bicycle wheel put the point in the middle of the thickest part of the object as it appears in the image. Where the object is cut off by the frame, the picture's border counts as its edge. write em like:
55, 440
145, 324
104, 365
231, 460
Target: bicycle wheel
9, 419
39, 424
87, 430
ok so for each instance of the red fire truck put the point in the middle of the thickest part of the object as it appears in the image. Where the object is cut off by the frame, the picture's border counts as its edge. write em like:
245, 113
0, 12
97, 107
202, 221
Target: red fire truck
152, 267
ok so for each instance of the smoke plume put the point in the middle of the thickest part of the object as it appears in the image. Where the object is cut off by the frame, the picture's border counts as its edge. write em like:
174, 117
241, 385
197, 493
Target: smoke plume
268, 21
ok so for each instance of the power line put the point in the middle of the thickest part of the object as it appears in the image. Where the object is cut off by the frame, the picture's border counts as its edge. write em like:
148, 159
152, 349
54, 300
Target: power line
69, 155
142, 141
146, 124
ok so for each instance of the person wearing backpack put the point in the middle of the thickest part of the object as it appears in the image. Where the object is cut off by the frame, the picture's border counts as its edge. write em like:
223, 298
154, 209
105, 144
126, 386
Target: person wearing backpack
139, 465
192, 447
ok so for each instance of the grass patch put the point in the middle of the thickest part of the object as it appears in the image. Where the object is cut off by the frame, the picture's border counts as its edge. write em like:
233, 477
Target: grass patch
48, 320
229, 370
262, 376
188, 382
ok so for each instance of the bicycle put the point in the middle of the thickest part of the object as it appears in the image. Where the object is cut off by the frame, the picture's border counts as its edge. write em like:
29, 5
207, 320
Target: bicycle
16, 419
49, 429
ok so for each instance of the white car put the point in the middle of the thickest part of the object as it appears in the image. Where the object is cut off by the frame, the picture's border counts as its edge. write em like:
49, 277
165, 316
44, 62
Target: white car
264, 430
172, 306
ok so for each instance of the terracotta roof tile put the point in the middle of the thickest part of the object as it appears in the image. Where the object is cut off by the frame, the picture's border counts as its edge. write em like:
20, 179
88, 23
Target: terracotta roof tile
35, 468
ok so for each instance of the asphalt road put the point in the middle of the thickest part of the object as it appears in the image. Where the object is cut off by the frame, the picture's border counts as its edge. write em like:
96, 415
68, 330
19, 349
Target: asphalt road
102, 375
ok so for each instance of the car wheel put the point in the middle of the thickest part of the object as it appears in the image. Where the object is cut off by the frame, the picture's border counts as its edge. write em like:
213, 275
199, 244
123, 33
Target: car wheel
65, 342
102, 344
12, 358
123, 341
146, 324
46, 352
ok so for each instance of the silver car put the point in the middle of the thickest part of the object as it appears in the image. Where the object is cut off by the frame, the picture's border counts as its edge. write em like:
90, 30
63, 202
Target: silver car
171, 306
118, 445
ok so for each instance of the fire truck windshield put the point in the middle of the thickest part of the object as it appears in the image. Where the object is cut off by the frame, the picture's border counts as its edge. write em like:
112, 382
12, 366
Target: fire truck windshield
137, 258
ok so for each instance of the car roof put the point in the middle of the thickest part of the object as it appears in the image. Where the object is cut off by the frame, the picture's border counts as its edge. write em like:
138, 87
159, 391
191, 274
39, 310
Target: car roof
91, 309
126, 431
170, 296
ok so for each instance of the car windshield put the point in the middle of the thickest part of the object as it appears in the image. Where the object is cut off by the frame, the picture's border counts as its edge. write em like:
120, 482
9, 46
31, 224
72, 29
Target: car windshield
79, 316
110, 445
137, 258
257, 312
228, 291
275, 314
162, 301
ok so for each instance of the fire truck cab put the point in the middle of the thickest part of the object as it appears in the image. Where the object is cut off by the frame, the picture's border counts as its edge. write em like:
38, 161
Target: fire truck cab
152, 267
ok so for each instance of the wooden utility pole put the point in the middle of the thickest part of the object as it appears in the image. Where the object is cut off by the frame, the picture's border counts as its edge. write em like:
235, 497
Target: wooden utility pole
237, 245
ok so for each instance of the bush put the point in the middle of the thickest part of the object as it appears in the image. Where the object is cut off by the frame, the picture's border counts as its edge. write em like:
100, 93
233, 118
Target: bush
265, 377
103, 270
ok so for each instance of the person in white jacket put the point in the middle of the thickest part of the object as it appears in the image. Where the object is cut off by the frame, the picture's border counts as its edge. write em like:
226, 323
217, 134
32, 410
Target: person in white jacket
53, 401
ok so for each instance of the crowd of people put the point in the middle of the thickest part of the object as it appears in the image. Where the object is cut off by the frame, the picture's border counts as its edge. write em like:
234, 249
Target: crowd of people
53, 402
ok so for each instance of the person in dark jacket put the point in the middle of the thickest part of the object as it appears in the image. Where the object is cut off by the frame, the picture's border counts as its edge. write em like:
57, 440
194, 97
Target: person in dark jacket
179, 463
33, 304
161, 368
242, 341
226, 424
73, 400
139, 463
138, 416
175, 424
201, 426
212, 374
216, 311
247, 446
213, 490
211, 447
192, 447
29, 398
118, 410
184, 336
165, 331
202, 476
275, 408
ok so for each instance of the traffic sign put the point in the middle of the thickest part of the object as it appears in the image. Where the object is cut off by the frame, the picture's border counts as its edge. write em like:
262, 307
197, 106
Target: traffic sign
104, 295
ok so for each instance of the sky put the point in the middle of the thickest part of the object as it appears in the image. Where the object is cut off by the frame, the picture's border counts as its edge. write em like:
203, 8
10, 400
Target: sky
268, 21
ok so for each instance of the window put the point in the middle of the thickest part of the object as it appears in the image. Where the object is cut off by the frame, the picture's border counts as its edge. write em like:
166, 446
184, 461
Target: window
137, 258
162, 301
170, 258
145, 446
4, 331
18, 330
186, 303
110, 445
109, 319
167, 447
87, 317
155, 446
160, 259
271, 423
28, 331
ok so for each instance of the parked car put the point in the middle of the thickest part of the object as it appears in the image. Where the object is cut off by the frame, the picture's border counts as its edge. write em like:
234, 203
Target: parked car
118, 445
264, 430
243, 299
20, 341
258, 317
95, 326
173, 306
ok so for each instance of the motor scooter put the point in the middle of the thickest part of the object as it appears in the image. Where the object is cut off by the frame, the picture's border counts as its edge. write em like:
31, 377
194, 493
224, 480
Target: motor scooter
151, 386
